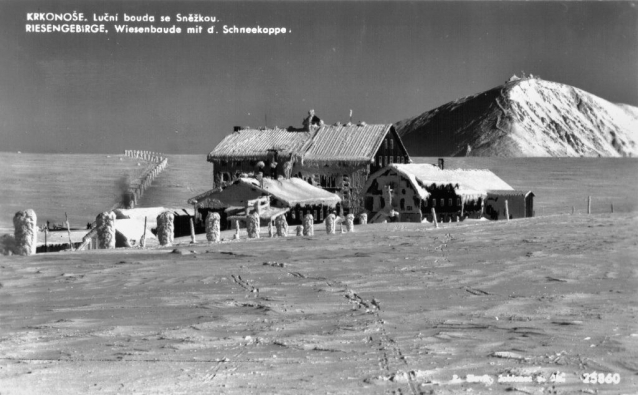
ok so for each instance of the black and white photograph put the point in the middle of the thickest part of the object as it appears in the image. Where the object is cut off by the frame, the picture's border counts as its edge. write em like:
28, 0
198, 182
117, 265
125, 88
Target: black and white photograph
318, 197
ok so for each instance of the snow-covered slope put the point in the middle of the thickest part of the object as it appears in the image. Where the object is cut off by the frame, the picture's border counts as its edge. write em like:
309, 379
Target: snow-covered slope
525, 117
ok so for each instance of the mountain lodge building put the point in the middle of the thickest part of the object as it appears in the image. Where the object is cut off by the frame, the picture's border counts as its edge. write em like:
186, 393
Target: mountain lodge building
338, 158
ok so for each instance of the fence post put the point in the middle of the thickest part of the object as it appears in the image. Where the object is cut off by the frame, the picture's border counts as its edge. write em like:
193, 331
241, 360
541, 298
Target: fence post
165, 228
308, 225
350, 223
68, 230
193, 240
25, 232
271, 228
436, 224
612, 207
106, 230
236, 236
330, 224
363, 219
507, 210
589, 205
143, 238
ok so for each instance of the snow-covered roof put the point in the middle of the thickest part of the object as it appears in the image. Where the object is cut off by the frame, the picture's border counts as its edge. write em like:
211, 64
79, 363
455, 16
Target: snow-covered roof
328, 143
469, 184
358, 143
257, 143
150, 213
501, 192
133, 229
289, 191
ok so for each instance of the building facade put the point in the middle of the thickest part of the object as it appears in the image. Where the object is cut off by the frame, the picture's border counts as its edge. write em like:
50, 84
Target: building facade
338, 158
413, 190
293, 198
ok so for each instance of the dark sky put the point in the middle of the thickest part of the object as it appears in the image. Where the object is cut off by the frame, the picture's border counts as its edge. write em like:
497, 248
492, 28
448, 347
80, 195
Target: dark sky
384, 60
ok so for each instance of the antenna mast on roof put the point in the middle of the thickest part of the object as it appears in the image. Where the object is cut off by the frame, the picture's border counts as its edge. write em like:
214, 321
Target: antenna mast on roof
350, 115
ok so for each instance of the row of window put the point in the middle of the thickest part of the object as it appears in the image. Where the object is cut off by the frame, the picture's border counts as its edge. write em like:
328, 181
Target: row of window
450, 202
388, 160
385, 143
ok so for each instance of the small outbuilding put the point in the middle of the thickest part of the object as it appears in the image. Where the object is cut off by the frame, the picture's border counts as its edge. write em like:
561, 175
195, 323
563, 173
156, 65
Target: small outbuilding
292, 197
520, 204
410, 191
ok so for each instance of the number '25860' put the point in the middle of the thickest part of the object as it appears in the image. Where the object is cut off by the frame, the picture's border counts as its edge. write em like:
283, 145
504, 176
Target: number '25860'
601, 378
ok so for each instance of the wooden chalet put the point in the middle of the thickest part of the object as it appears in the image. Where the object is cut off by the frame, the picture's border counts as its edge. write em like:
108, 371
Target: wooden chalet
415, 189
293, 198
337, 158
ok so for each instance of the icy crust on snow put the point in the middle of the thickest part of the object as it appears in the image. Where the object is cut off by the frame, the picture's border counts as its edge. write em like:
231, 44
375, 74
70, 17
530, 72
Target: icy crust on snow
525, 118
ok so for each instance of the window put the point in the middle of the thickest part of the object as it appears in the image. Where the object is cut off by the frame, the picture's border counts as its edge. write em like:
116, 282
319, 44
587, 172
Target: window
403, 191
391, 159
433, 202
409, 208
458, 201
442, 202
400, 159
449, 202
369, 203
385, 144
402, 203
425, 202
391, 143
315, 216
380, 161
386, 161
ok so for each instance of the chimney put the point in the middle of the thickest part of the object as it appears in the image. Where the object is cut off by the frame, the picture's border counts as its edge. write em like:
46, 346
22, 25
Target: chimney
237, 128
312, 121
441, 164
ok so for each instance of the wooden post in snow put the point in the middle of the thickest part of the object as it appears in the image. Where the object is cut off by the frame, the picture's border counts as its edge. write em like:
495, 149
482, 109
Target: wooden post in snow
507, 210
271, 229
589, 205
193, 240
68, 231
143, 239
572, 210
363, 219
612, 208
236, 236
436, 224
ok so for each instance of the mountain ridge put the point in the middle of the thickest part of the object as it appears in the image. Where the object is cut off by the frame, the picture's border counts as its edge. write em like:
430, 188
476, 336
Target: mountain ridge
525, 117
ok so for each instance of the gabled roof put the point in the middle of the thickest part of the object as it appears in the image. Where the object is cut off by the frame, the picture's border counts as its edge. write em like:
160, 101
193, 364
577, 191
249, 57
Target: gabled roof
346, 143
290, 192
469, 184
295, 191
256, 143
327, 143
